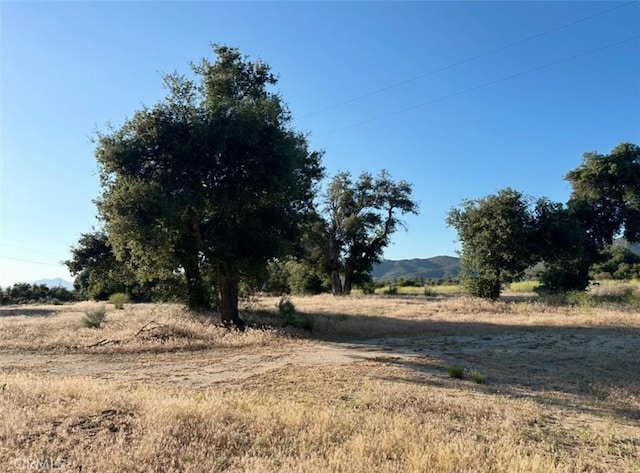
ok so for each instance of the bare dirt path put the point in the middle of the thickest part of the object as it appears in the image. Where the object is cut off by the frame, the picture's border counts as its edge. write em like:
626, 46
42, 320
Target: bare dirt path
525, 357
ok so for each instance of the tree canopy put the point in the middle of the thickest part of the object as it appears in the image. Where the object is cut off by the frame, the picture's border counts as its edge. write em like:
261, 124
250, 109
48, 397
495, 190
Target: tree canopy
495, 232
211, 182
606, 194
356, 223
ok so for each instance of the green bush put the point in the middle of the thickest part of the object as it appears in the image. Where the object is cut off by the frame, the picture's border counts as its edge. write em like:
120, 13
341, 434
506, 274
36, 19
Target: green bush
456, 372
478, 377
581, 299
119, 299
392, 290
287, 308
368, 288
94, 318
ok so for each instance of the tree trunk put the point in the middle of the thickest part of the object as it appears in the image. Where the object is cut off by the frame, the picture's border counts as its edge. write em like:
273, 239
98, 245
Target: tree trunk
334, 258
348, 276
197, 297
336, 283
497, 286
228, 288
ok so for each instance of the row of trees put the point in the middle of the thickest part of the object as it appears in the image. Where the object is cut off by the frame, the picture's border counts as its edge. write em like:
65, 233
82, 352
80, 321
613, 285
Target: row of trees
25, 293
504, 234
212, 188
211, 185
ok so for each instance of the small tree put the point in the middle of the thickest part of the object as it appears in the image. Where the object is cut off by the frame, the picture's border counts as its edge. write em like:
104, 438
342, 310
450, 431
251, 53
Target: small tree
495, 233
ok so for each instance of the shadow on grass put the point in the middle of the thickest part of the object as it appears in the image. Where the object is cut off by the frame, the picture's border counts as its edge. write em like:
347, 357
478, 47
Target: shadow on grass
17, 311
585, 368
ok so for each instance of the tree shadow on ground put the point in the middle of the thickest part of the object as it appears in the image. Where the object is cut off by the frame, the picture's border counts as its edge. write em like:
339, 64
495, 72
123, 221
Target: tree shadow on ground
17, 311
587, 368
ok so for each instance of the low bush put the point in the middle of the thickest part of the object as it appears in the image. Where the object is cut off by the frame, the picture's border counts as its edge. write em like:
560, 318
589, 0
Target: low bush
119, 299
94, 318
456, 372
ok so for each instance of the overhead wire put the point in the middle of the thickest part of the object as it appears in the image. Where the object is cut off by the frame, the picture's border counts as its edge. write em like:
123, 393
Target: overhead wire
482, 86
30, 261
468, 60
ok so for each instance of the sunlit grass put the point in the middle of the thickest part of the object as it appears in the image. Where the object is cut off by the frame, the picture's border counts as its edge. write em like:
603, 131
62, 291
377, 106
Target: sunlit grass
523, 286
543, 408
443, 289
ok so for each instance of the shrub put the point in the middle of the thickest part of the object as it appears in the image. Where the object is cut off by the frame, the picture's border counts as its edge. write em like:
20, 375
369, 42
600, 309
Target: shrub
478, 377
368, 288
94, 318
392, 290
287, 308
119, 299
456, 372
581, 299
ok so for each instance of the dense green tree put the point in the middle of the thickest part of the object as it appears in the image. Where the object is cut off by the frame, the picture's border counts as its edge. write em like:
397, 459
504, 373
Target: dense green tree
25, 293
605, 202
211, 182
605, 194
97, 272
618, 262
561, 243
356, 223
496, 236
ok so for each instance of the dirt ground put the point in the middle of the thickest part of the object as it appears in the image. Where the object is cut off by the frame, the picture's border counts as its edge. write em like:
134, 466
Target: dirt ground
533, 361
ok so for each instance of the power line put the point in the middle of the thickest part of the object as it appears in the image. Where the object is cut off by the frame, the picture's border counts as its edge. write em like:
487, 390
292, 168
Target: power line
33, 250
481, 86
467, 60
33, 262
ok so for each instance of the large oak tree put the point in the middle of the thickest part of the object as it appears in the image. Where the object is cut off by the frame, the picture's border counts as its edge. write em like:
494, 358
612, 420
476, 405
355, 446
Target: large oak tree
211, 182
356, 222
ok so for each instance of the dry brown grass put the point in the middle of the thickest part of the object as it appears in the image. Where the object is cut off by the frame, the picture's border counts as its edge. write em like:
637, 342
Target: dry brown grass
562, 391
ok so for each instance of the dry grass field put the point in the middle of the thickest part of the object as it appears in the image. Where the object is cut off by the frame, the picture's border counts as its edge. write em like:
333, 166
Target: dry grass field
367, 389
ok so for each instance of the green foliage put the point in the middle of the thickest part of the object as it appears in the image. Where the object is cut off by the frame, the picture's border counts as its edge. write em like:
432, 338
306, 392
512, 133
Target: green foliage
564, 247
94, 318
392, 290
286, 308
277, 279
356, 223
563, 276
99, 274
605, 194
25, 293
368, 288
581, 299
478, 377
605, 201
119, 299
304, 278
497, 245
523, 286
211, 182
617, 262
456, 372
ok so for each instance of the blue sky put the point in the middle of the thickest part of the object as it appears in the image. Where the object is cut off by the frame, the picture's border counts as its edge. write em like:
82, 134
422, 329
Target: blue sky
521, 116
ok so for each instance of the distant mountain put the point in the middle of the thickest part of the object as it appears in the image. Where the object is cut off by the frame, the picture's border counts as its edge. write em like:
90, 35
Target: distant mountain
438, 267
633, 247
56, 282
